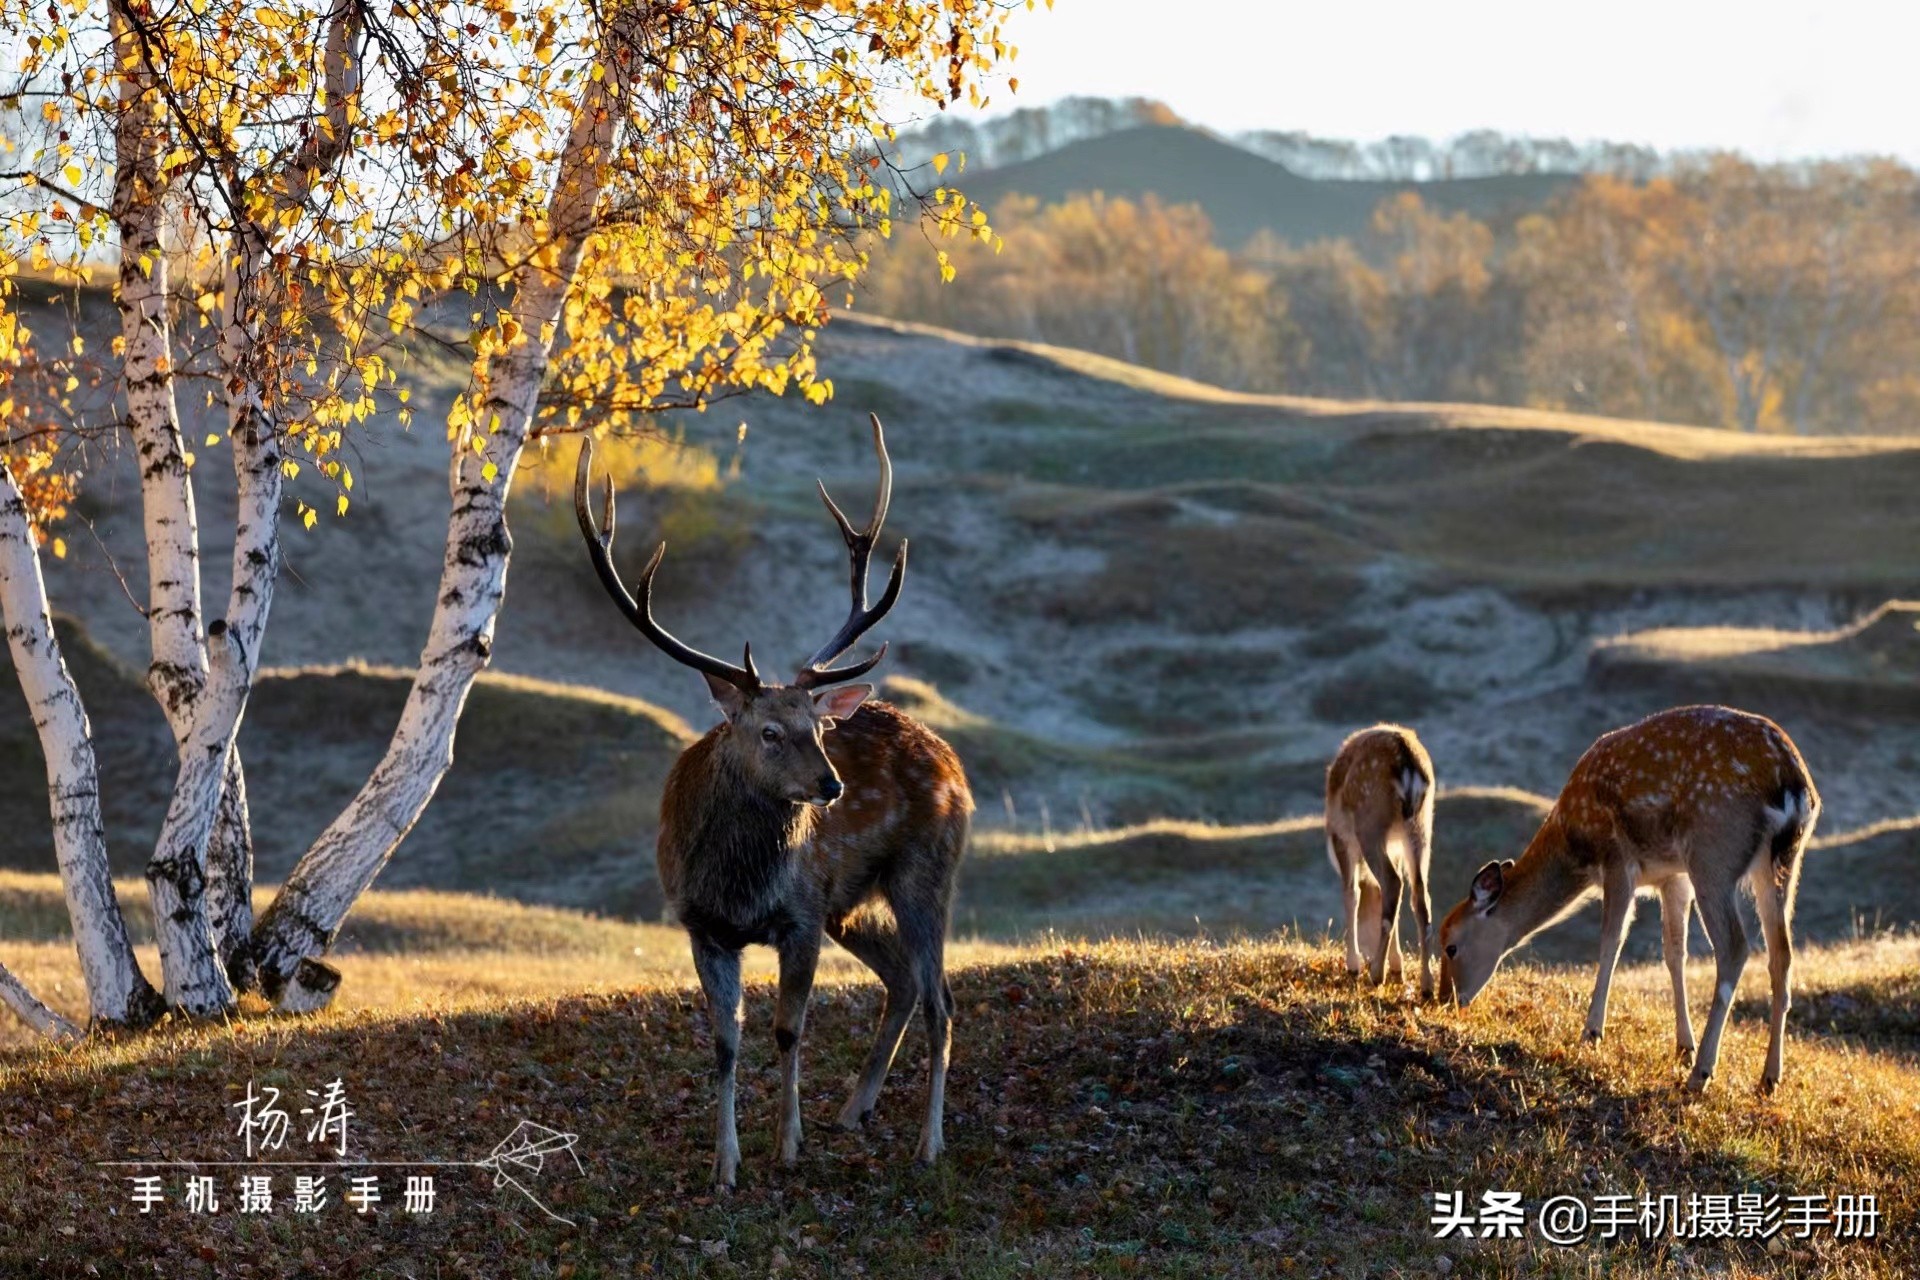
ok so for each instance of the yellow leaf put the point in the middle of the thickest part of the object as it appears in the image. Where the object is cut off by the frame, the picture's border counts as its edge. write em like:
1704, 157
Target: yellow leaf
73, 175
940, 162
59, 548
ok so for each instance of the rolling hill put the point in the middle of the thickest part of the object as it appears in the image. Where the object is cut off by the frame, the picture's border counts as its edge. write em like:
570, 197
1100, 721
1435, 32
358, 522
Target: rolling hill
1145, 611
1242, 193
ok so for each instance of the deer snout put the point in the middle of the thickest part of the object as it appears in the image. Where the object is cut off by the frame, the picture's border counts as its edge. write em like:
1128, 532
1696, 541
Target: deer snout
829, 790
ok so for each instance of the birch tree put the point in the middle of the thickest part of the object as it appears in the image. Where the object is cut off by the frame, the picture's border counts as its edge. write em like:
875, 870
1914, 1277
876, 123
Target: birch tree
636, 207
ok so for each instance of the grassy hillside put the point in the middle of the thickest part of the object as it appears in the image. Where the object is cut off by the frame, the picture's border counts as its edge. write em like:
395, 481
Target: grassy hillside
1241, 192
1144, 610
553, 797
554, 793
1872, 665
1175, 599
1114, 1109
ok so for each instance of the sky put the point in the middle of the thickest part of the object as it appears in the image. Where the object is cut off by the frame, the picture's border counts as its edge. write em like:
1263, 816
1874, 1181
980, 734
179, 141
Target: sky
1774, 80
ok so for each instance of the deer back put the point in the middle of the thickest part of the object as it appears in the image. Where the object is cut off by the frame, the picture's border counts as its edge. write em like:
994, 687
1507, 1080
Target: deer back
906, 791
1684, 779
1379, 776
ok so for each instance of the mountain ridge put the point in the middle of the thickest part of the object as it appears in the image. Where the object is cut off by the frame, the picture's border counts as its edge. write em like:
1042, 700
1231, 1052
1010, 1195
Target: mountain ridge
1242, 192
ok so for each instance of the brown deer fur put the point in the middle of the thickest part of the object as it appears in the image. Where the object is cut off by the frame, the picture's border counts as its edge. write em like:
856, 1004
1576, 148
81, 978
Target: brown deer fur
1379, 837
1693, 801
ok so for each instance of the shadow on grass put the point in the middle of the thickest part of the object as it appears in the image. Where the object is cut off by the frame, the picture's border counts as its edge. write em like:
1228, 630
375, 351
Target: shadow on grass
1172, 1113
1879, 1013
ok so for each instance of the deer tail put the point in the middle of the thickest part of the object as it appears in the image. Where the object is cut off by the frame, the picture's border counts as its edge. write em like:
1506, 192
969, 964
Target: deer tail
1790, 812
1412, 783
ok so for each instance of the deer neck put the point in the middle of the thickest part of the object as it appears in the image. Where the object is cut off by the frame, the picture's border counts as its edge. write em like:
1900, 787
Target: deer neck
749, 823
734, 846
1543, 885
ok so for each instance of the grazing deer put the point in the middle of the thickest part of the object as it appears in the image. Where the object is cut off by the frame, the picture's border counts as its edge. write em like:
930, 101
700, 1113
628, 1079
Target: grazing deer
808, 809
1691, 801
1379, 836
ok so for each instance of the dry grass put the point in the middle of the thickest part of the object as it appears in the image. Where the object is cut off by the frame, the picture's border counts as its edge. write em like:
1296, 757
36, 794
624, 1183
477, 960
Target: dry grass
1868, 666
1116, 1109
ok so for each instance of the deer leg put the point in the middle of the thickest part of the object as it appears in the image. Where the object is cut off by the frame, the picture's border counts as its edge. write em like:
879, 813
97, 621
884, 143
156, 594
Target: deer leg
1371, 939
1729, 937
799, 955
719, 971
878, 947
924, 933
1773, 903
1386, 959
1676, 911
1349, 870
1422, 911
1616, 913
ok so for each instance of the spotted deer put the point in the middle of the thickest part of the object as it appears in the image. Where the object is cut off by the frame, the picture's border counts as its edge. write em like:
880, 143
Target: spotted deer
1379, 838
808, 809
1692, 802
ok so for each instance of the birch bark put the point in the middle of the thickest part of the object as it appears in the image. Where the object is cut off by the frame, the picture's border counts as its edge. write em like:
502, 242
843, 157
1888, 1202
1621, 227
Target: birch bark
303, 920
178, 671
117, 992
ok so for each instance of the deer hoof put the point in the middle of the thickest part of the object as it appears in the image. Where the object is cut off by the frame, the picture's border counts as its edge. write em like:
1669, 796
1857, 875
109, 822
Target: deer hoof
929, 1152
1768, 1084
1697, 1082
852, 1120
1685, 1055
1592, 1036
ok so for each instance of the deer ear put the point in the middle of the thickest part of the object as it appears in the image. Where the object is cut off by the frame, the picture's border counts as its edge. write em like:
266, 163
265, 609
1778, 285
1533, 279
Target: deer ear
1489, 883
841, 702
727, 695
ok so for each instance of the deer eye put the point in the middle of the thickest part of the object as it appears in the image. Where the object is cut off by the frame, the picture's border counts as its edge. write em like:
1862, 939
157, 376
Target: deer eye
770, 733
1453, 948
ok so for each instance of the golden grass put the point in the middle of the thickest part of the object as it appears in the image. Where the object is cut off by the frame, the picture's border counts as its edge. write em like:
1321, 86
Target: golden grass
1118, 1108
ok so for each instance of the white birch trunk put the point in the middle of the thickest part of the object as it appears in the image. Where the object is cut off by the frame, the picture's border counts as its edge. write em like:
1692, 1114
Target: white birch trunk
332, 875
194, 980
202, 867
179, 874
178, 670
117, 992
15, 995
230, 878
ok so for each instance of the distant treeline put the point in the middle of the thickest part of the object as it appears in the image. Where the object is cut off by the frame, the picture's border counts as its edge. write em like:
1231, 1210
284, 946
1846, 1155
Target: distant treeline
1764, 298
1031, 132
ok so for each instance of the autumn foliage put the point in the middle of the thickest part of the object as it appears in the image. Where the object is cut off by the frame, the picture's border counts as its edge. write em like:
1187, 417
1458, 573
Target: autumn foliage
602, 211
1724, 293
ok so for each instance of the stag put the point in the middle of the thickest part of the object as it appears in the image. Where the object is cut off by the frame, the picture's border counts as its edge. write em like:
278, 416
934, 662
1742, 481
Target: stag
809, 809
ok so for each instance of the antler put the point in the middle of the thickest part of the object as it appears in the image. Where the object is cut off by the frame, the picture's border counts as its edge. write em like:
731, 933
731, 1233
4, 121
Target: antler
859, 549
640, 612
